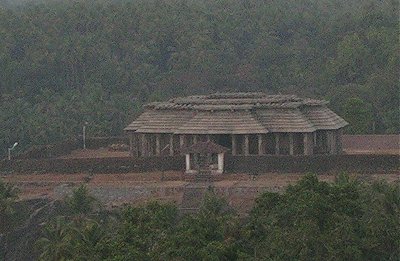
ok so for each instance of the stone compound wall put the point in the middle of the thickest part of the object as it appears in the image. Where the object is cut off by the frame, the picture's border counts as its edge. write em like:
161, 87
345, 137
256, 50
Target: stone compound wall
233, 164
372, 143
63, 148
43, 159
94, 165
315, 163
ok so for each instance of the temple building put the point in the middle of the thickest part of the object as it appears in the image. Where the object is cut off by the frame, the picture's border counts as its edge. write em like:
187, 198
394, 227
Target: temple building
244, 123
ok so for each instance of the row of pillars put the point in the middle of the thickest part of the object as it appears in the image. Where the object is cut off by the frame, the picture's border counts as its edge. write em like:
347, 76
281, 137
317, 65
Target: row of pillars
143, 142
307, 144
309, 140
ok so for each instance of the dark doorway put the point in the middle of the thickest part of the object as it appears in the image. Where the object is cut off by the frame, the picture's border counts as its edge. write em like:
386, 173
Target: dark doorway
253, 144
224, 140
321, 142
298, 143
176, 144
239, 144
284, 144
270, 144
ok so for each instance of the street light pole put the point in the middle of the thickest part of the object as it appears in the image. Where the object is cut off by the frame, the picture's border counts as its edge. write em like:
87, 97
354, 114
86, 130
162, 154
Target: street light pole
10, 149
84, 136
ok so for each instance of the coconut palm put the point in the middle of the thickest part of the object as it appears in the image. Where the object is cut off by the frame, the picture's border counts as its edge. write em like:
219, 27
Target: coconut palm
55, 244
8, 195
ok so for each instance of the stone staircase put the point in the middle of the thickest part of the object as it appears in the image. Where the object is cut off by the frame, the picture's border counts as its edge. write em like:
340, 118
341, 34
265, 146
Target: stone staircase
193, 195
204, 175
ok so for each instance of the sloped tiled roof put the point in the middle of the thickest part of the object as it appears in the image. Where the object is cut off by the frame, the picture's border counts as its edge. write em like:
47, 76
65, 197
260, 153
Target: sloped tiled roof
284, 120
159, 121
220, 122
322, 118
236, 113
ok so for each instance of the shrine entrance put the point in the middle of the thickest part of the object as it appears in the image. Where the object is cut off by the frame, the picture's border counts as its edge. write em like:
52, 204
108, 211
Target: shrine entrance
205, 157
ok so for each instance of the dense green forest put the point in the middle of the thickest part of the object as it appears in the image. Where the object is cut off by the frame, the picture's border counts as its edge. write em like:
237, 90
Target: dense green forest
311, 220
64, 63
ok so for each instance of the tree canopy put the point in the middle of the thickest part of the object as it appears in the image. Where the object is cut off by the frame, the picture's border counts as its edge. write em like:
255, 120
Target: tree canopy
312, 220
64, 63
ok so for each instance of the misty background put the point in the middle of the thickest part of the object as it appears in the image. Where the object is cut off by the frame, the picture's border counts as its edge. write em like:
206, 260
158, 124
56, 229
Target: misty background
64, 63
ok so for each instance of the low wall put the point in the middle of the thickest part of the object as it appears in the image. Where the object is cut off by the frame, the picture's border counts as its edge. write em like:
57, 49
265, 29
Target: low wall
93, 165
374, 143
233, 164
50, 150
317, 164
63, 148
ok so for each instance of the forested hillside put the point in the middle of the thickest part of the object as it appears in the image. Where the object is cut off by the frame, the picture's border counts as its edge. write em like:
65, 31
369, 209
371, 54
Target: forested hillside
64, 63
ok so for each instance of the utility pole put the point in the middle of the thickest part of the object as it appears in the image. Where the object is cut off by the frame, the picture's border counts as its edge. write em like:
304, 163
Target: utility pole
10, 149
84, 135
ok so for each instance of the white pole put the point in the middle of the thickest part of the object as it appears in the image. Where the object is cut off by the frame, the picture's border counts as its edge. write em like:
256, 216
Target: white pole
187, 162
10, 149
84, 137
221, 162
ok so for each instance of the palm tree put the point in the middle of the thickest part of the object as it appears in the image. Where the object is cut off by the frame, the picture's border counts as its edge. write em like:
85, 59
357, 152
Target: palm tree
8, 195
55, 244
80, 202
87, 239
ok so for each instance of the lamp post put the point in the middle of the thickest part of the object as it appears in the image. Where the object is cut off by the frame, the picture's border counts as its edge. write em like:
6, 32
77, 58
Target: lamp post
84, 135
10, 149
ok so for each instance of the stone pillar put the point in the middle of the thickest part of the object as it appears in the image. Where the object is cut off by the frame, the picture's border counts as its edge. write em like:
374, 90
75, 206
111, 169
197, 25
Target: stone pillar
195, 161
208, 137
334, 142
331, 140
137, 145
306, 150
221, 162
131, 144
182, 140
260, 145
234, 148
187, 157
277, 147
339, 147
144, 144
150, 144
171, 145
246, 145
195, 138
291, 144
158, 145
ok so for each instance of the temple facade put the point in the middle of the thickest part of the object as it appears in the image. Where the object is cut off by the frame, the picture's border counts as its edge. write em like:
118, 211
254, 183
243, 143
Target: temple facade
245, 123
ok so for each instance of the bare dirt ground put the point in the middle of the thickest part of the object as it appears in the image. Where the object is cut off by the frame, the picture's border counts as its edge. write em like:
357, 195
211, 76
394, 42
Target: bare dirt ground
137, 188
97, 153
